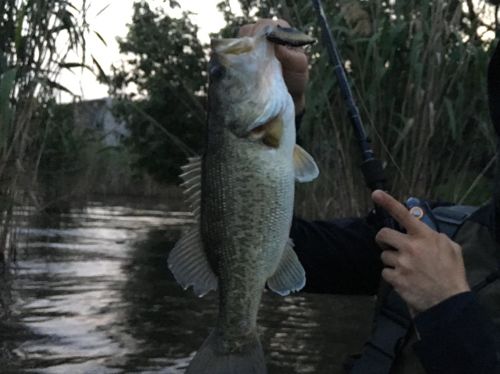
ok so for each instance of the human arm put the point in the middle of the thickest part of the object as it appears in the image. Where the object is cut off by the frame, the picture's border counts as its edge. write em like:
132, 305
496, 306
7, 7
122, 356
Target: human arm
339, 256
457, 336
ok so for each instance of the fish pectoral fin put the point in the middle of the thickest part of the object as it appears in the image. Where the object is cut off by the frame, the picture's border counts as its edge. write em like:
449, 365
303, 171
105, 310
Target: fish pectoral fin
290, 276
305, 167
189, 264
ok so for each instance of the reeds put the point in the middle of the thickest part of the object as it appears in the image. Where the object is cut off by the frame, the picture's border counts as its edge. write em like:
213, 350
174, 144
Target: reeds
35, 39
418, 70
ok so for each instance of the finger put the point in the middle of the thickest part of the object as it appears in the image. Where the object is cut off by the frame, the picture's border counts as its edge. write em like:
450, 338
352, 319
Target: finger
263, 22
255, 28
390, 258
386, 247
390, 276
389, 238
399, 212
282, 23
295, 82
246, 30
294, 60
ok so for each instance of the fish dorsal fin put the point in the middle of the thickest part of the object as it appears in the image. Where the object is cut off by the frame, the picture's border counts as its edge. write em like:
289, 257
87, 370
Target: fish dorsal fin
305, 167
189, 264
191, 176
290, 275
187, 260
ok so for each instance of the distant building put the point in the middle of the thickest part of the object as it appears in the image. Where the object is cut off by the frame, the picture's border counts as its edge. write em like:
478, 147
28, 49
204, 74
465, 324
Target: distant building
97, 114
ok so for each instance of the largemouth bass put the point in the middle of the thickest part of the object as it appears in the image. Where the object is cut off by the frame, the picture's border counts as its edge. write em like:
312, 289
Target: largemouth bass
242, 192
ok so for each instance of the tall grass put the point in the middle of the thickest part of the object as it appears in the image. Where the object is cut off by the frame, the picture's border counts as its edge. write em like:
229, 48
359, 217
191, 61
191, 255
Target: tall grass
418, 69
35, 39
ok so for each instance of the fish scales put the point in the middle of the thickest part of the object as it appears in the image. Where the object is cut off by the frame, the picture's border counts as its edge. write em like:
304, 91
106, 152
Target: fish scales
244, 226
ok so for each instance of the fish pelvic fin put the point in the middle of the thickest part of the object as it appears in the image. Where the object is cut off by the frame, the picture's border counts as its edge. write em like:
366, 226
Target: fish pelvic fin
290, 276
305, 167
211, 358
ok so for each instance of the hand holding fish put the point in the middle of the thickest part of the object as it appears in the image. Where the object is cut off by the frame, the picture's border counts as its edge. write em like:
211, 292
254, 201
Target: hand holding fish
293, 60
424, 266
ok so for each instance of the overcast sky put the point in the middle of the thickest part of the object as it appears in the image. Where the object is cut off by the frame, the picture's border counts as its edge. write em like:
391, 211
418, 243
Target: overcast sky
112, 22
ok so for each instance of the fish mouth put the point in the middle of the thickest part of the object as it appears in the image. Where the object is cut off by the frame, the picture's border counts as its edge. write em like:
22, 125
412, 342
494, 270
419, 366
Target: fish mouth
270, 133
288, 36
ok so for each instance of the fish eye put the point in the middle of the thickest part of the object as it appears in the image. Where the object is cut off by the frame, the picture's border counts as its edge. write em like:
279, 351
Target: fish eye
217, 71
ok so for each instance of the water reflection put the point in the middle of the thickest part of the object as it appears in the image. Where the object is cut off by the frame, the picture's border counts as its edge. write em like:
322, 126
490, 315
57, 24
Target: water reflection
93, 295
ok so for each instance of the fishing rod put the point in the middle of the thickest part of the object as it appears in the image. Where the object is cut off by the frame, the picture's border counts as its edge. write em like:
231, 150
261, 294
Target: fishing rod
379, 350
371, 167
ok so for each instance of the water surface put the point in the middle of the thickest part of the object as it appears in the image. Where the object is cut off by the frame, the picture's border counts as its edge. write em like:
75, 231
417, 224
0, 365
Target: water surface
92, 294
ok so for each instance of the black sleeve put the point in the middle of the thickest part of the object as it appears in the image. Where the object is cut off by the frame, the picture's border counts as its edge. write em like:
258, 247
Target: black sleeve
456, 336
338, 256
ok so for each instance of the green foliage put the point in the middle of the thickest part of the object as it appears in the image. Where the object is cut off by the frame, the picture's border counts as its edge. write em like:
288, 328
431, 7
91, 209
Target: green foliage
420, 75
62, 158
75, 161
30, 61
7, 80
167, 68
418, 71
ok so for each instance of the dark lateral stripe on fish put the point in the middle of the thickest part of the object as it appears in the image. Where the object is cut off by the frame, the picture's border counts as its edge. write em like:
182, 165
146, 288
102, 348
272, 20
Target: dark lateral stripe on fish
289, 36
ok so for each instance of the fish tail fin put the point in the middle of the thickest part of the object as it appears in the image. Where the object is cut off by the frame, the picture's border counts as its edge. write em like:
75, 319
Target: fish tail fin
211, 359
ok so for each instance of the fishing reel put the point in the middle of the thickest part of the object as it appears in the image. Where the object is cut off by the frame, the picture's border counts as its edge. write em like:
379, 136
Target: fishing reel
421, 211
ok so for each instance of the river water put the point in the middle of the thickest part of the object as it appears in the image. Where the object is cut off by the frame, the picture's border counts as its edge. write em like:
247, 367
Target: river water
92, 294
